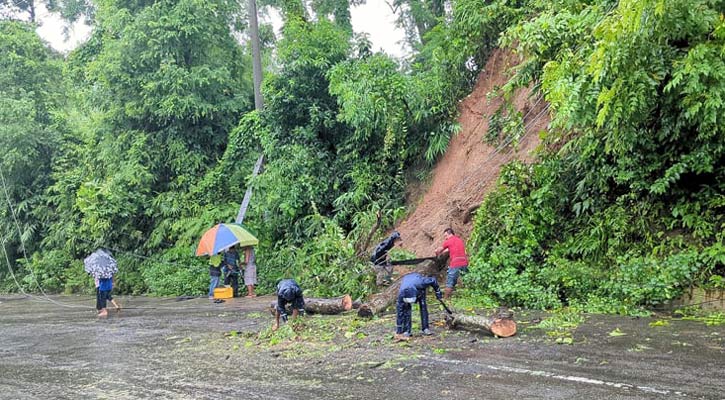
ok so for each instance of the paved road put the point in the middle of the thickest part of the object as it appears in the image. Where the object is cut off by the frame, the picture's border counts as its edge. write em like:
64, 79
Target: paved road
163, 348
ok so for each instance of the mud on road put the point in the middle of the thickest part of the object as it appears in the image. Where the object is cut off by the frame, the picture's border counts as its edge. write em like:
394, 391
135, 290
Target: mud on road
194, 349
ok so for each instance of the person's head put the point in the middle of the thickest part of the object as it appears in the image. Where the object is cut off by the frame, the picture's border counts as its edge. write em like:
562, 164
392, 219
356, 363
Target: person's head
396, 238
287, 295
448, 232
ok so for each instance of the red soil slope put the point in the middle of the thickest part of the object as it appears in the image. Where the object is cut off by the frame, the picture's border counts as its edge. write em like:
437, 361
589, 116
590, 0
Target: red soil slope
469, 168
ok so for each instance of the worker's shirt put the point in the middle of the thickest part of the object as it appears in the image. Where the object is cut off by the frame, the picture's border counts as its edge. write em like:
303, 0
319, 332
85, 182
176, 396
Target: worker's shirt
105, 284
288, 291
381, 250
215, 267
456, 252
414, 285
231, 260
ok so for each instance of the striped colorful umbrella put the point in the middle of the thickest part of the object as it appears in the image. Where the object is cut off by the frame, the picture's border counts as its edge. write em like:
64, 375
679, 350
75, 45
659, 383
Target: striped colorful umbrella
222, 237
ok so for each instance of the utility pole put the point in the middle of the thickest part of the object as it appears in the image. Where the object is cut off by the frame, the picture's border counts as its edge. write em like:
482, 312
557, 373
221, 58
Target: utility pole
258, 101
256, 56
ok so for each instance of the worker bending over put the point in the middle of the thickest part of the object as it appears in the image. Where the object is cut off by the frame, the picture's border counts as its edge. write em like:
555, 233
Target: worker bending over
288, 291
413, 290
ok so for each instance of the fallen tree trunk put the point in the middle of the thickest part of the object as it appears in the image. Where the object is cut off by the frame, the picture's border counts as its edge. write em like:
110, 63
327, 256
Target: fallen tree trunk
328, 306
501, 325
379, 302
331, 306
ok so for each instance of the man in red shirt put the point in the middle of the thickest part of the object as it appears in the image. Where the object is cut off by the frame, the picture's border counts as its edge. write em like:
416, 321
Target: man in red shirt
457, 259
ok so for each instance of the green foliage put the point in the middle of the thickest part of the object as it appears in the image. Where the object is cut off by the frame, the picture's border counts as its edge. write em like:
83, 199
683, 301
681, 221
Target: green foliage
143, 138
454, 52
177, 271
506, 125
55, 271
418, 17
30, 92
561, 325
629, 211
695, 313
326, 265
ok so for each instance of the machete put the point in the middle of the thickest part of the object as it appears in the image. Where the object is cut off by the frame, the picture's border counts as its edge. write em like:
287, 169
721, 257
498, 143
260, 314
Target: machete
448, 310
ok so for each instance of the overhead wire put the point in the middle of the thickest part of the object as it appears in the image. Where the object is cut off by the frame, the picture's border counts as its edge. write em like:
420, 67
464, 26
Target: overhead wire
17, 225
10, 269
45, 296
25, 254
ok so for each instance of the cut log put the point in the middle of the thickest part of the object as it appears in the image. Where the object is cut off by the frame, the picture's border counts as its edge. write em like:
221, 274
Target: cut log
380, 301
495, 325
328, 306
331, 306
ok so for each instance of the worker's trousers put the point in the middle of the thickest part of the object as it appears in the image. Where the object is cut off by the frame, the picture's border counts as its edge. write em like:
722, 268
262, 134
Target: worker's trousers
404, 311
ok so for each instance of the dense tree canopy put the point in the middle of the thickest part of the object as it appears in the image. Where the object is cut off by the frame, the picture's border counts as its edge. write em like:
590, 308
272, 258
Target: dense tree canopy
144, 136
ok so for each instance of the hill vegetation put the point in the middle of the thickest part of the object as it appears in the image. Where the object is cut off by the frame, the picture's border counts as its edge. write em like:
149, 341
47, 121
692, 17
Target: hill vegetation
145, 136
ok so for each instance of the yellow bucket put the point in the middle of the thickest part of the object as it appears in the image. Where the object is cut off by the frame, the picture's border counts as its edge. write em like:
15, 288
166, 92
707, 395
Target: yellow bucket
223, 293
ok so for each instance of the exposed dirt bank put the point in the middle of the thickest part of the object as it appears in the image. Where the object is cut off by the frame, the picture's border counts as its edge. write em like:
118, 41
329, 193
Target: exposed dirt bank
469, 168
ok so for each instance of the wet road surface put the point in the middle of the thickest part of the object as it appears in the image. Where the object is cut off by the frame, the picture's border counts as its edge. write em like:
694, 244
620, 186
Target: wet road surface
168, 349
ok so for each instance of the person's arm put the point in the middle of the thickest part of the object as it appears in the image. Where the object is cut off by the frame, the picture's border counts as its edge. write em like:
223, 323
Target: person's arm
443, 248
276, 320
280, 311
430, 281
301, 304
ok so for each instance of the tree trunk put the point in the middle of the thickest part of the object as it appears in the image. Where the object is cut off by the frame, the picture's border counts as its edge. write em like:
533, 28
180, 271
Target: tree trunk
360, 251
335, 305
379, 302
498, 325
256, 55
328, 306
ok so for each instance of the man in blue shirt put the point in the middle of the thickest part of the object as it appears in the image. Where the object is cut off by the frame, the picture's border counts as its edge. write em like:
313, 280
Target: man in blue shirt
288, 291
413, 290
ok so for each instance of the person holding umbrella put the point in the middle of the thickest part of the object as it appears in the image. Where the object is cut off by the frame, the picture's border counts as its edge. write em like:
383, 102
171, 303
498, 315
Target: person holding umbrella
218, 239
102, 266
104, 287
231, 269
108, 296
